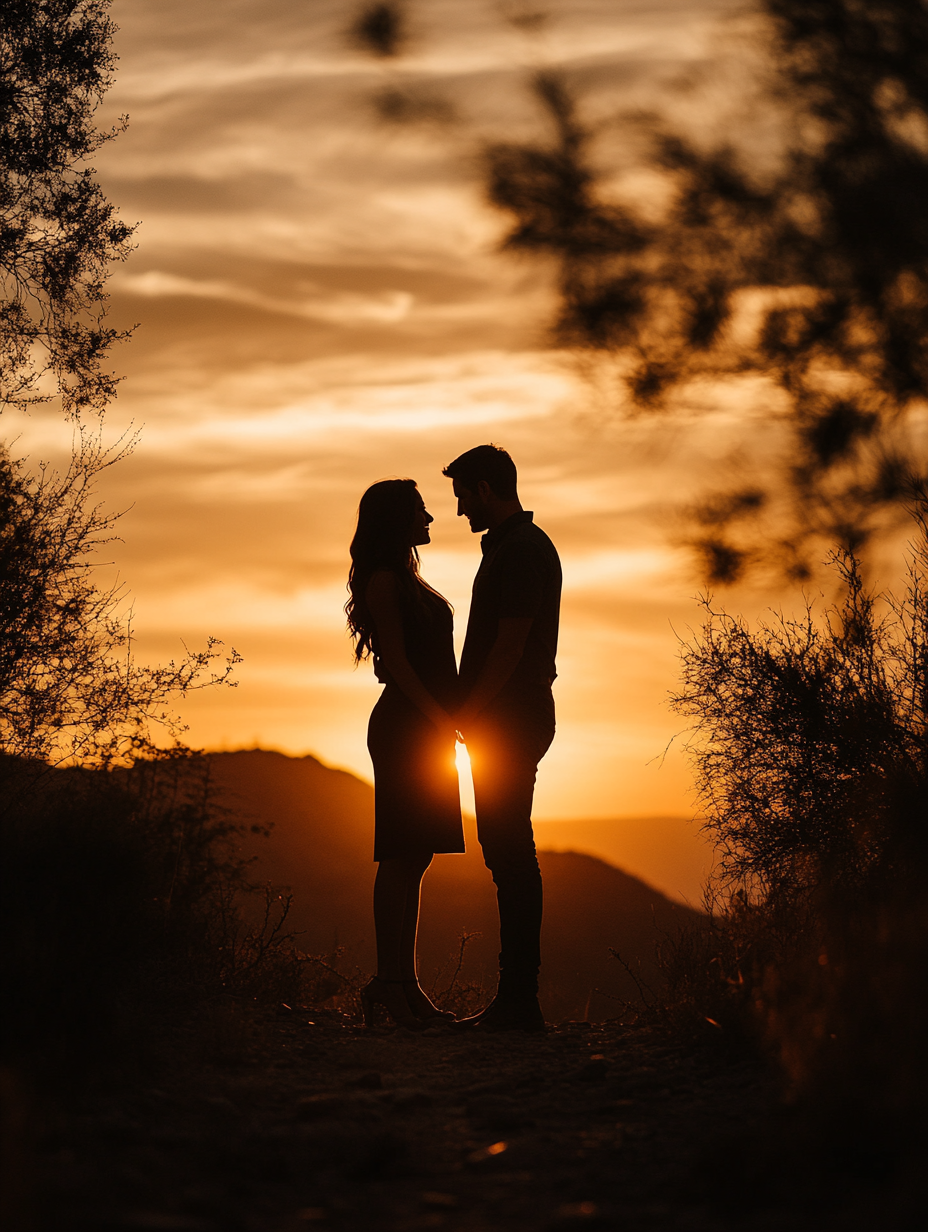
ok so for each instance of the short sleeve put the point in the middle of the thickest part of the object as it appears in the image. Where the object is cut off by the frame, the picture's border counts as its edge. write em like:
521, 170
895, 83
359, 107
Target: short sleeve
524, 570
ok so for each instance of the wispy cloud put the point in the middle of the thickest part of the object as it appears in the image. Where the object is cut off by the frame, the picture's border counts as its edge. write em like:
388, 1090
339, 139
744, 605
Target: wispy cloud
322, 304
345, 309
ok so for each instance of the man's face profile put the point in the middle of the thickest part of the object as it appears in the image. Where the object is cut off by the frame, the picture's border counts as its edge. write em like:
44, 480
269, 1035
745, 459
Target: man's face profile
472, 505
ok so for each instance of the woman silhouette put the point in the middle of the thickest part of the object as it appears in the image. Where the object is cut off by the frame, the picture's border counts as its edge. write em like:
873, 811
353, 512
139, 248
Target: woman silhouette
406, 626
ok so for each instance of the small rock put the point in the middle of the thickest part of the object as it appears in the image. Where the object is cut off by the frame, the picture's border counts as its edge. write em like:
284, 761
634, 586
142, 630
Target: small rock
493, 1151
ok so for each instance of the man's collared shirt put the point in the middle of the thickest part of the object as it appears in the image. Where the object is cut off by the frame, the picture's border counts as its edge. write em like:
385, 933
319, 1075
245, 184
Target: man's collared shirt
519, 576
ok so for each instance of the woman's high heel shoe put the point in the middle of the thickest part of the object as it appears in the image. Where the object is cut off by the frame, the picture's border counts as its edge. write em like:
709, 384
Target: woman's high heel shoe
422, 1006
391, 995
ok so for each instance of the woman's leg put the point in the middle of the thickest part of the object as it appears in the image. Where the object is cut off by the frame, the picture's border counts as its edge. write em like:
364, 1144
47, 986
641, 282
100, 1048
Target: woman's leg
415, 872
418, 1001
396, 915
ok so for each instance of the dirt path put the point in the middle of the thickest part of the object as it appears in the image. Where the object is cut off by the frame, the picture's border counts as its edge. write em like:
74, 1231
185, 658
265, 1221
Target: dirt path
320, 1125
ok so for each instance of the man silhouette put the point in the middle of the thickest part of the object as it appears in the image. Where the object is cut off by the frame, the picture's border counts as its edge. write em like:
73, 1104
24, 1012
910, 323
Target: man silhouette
507, 716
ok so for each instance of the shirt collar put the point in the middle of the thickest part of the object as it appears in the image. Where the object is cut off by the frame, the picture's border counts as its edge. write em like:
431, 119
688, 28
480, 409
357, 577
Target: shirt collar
493, 537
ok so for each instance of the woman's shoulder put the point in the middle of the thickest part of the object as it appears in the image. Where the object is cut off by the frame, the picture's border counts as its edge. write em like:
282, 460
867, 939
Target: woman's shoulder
383, 584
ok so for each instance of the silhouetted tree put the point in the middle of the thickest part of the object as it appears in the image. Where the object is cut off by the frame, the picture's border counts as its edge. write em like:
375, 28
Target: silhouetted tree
69, 687
58, 232
831, 249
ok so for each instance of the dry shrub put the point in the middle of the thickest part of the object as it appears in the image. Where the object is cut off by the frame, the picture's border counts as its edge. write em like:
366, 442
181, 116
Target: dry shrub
811, 748
251, 954
711, 971
124, 901
450, 990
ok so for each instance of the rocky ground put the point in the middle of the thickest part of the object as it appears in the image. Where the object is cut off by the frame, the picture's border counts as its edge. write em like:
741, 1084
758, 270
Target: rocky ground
307, 1121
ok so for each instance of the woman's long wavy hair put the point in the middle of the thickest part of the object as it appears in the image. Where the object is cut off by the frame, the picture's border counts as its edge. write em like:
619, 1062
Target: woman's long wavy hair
381, 541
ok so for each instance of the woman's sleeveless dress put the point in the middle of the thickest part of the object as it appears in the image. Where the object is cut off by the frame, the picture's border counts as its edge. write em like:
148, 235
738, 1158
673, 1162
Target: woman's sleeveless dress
417, 807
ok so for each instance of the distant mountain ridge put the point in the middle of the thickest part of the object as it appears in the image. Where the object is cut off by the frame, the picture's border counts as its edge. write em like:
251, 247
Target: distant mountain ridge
321, 844
673, 854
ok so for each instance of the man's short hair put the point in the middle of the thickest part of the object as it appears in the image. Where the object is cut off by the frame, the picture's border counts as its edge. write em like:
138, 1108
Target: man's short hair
487, 462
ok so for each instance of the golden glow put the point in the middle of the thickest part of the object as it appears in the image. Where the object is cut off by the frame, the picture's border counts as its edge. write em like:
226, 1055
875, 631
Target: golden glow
462, 758
322, 305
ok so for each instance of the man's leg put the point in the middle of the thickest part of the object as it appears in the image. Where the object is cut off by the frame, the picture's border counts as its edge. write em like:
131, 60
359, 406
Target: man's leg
505, 761
504, 785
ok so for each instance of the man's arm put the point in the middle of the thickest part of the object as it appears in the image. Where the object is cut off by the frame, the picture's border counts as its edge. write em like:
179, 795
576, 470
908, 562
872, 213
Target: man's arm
502, 661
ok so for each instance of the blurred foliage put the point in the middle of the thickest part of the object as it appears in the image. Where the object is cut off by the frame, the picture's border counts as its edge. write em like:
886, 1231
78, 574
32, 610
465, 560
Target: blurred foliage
813, 276
380, 29
396, 105
58, 232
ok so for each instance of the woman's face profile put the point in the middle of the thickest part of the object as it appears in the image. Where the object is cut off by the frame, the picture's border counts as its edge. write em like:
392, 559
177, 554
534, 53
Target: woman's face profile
421, 521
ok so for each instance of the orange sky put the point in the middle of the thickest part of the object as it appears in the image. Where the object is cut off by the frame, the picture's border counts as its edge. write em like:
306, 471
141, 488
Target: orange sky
320, 305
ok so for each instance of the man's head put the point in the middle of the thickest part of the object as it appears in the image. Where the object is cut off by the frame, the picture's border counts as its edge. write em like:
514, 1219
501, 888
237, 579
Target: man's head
484, 481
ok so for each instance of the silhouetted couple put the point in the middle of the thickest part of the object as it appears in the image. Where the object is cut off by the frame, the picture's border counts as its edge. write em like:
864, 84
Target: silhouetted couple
500, 703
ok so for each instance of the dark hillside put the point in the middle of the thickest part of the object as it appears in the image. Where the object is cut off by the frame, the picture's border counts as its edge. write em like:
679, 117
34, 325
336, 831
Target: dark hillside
321, 823
320, 846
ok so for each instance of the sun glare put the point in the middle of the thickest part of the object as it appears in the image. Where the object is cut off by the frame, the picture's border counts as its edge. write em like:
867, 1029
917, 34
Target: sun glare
462, 759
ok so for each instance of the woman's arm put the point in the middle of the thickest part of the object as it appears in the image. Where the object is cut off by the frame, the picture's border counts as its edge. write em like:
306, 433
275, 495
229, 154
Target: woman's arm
384, 606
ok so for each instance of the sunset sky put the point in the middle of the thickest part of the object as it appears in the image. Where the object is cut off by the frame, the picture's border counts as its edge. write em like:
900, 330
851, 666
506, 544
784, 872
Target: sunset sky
320, 305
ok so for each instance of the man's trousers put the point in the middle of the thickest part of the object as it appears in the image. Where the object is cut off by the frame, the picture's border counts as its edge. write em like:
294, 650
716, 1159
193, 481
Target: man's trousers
505, 747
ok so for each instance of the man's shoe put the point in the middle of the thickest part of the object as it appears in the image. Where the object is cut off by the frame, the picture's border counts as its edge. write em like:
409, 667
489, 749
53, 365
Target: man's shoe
512, 1014
469, 1024
514, 1008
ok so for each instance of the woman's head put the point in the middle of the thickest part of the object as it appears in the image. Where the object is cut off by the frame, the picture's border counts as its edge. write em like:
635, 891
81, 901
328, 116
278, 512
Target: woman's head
392, 522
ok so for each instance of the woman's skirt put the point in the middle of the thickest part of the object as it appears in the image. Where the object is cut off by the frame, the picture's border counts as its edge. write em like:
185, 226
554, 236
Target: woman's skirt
417, 806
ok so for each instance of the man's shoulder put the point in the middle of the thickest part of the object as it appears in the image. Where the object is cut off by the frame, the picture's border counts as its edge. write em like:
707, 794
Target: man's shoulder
528, 536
